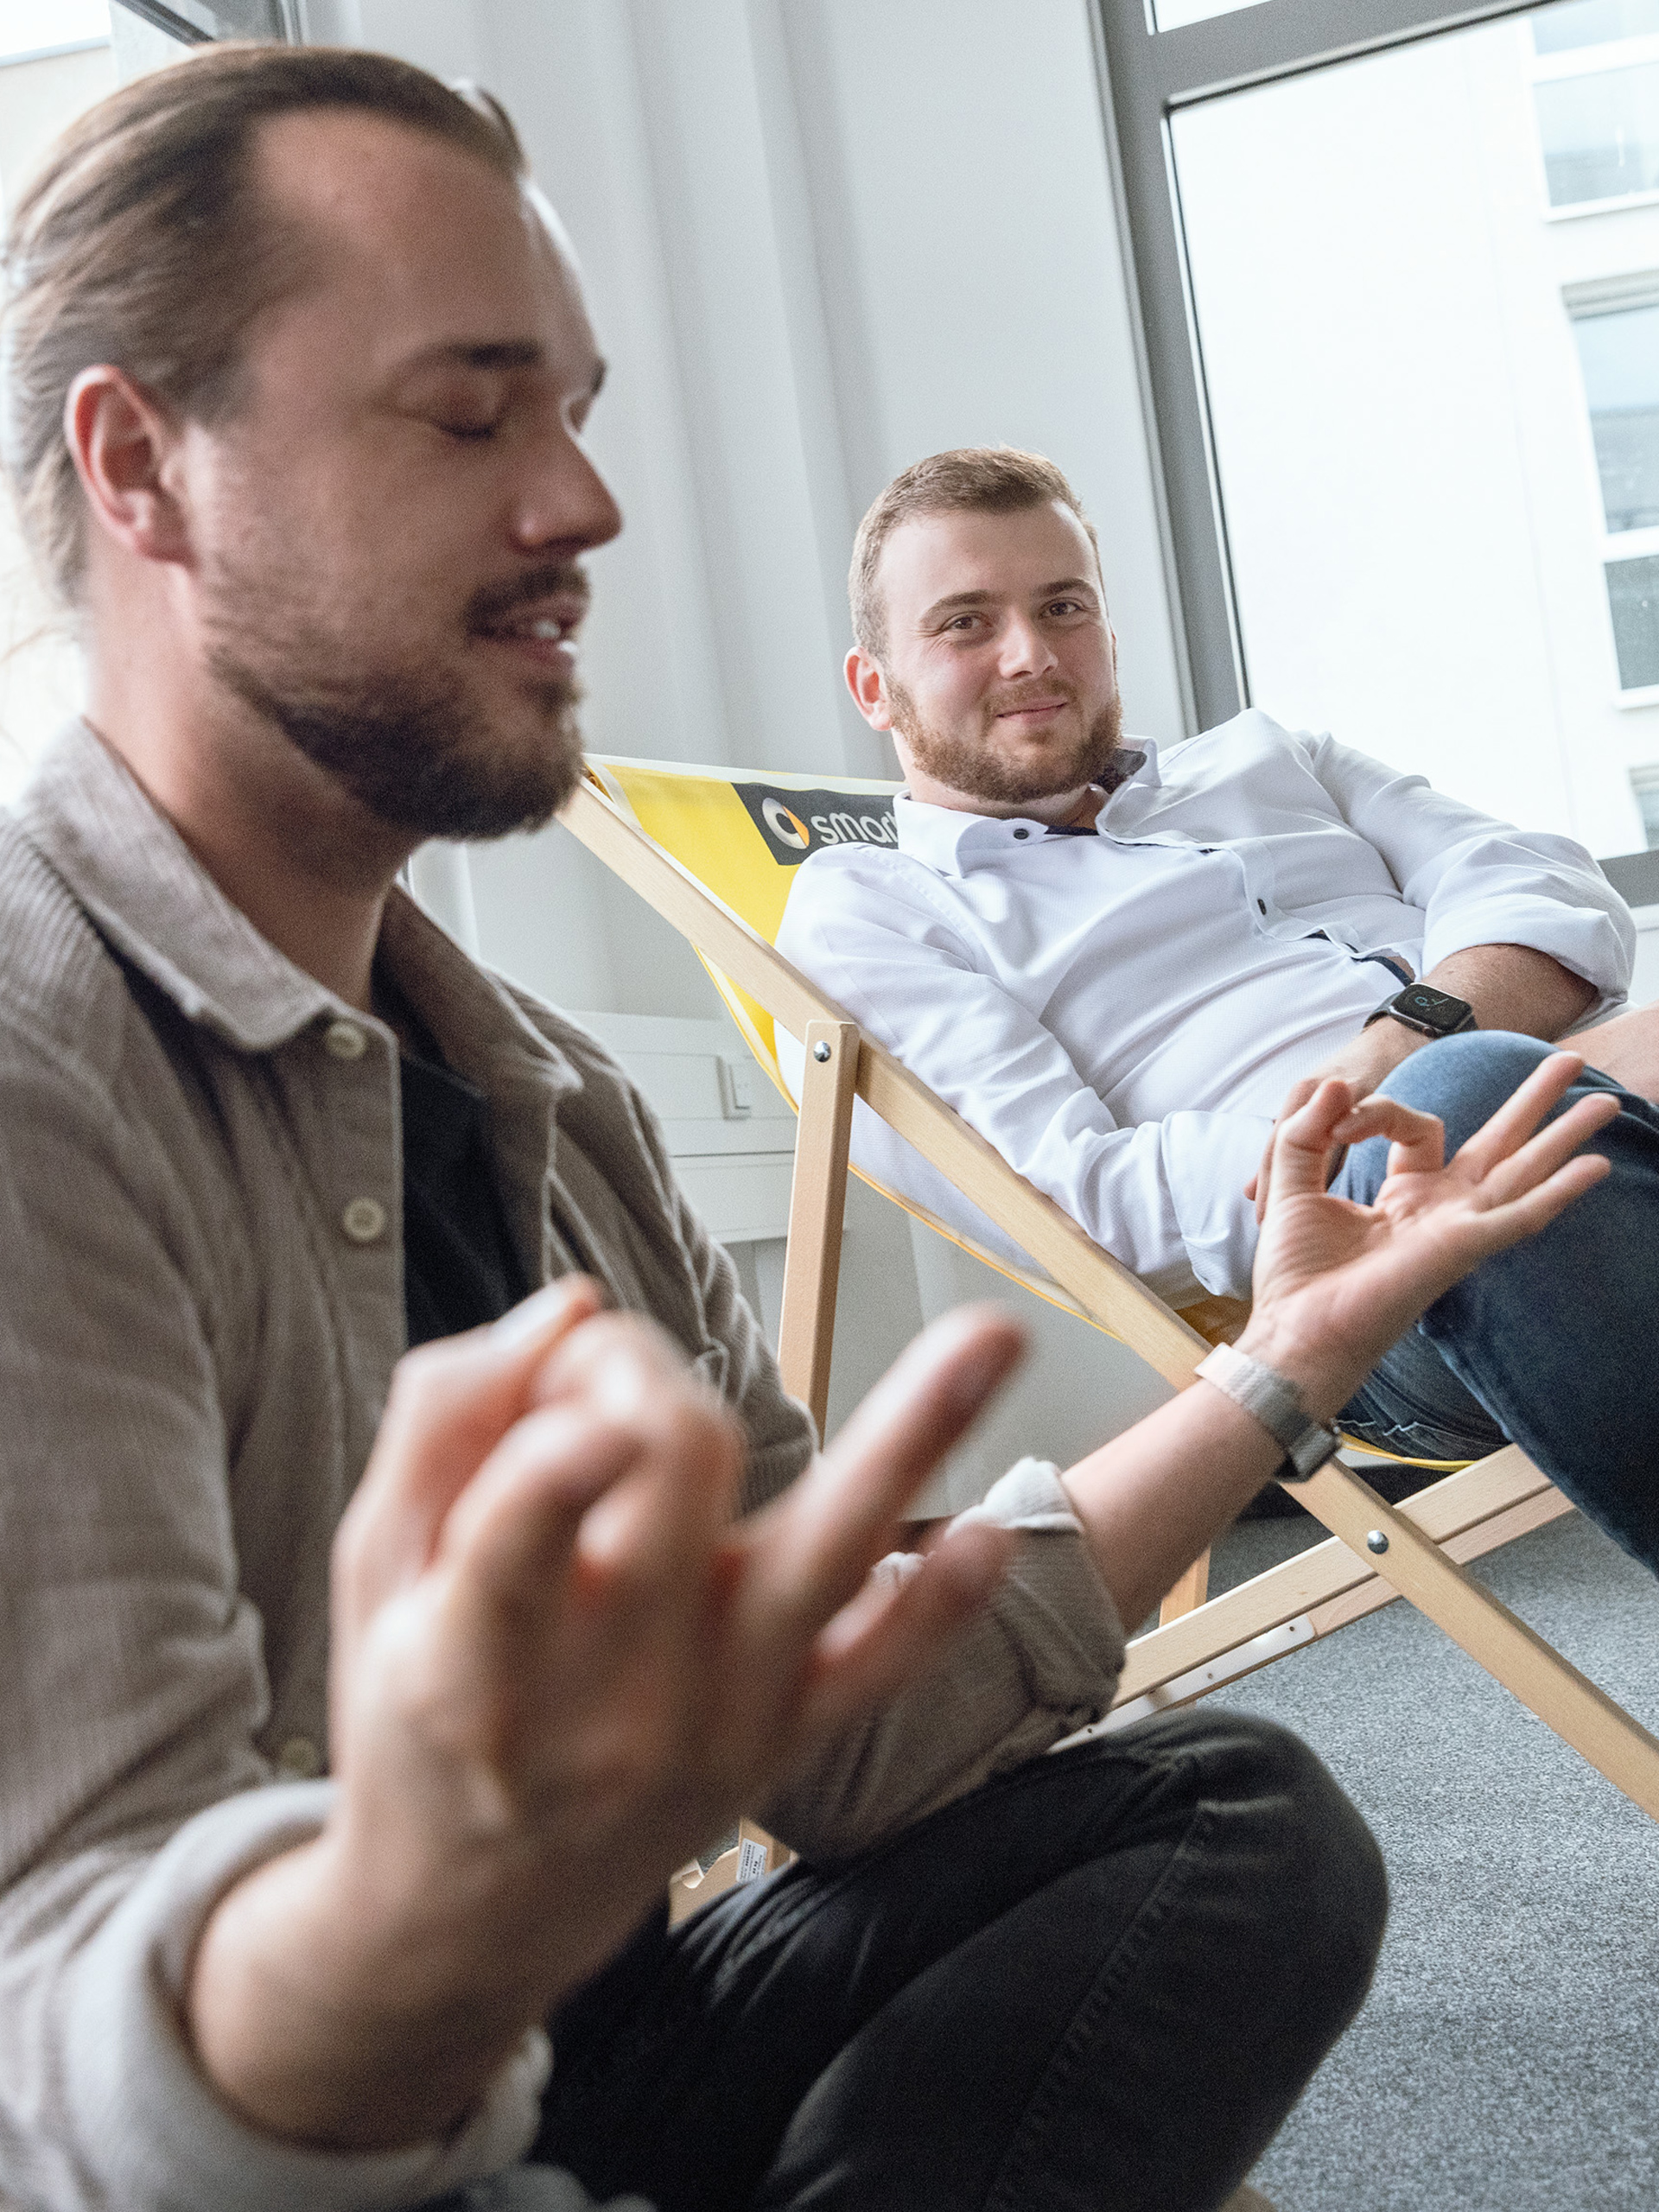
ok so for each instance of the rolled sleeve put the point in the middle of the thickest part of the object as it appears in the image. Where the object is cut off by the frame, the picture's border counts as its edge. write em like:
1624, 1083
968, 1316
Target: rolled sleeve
1040, 1661
1481, 881
152, 2133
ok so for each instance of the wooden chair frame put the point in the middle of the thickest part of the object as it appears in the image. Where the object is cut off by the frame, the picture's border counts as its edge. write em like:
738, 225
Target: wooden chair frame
1376, 1552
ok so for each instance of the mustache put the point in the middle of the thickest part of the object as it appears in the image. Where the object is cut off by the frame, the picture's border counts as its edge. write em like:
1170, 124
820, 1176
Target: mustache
1038, 692
554, 580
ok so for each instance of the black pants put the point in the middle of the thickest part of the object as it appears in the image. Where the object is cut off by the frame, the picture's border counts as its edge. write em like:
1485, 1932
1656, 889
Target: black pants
1100, 1981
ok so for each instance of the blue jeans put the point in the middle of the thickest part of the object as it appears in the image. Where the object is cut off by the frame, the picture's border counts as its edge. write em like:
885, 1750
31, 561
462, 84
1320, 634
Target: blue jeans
1102, 1979
1550, 1345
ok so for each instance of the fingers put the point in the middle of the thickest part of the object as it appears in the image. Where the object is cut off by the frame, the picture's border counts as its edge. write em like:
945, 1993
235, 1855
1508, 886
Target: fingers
817, 1544
891, 1632
1303, 1140
1260, 1183
1521, 1113
450, 1403
624, 1370
515, 1525
1417, 1140
1554, 1144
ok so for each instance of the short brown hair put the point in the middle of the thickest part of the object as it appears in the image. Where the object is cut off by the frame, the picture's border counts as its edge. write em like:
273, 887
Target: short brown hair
983, 480
141, 243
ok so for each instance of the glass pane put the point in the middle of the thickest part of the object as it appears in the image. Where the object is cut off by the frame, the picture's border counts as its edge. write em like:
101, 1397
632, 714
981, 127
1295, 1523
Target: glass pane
1417, 540
1619, 354
1633, 592
1645, 782
226, 18
1600, 134
1593, 22
1170, 14
39, 26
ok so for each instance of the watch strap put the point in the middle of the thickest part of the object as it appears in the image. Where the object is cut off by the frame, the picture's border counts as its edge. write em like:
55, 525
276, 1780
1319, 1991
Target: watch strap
1276, 1403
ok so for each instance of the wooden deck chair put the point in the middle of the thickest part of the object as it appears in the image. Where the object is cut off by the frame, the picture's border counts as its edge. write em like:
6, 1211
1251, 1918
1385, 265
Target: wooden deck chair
713, 850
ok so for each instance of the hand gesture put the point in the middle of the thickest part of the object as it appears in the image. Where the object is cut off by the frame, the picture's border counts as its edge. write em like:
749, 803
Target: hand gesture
1336, 1283
559, 1667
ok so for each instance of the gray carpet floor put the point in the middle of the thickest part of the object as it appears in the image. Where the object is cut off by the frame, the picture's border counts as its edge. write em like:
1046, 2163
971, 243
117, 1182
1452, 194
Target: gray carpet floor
1508, 2054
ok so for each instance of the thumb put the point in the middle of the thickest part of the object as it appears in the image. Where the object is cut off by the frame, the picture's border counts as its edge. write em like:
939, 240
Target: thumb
1303, 1141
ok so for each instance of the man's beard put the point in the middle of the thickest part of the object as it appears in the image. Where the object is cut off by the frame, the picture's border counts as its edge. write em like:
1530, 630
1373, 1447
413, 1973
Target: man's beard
974, 766
408, 742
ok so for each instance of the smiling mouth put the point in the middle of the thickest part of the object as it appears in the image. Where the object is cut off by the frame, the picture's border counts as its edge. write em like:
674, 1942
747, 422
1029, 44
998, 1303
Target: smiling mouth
1031, 707
548, 634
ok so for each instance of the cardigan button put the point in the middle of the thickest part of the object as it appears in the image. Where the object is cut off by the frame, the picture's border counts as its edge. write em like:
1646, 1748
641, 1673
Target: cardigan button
364, 1220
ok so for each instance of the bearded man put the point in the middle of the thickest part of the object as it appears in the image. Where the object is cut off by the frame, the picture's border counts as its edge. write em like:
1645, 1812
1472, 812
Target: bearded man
354, 1725
1122, 965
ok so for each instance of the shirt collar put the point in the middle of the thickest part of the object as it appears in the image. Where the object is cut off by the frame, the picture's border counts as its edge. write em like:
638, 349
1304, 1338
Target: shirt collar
956, 842
152, 899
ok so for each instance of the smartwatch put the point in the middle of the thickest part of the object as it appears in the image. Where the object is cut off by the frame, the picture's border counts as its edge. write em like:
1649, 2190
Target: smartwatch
1431, 1013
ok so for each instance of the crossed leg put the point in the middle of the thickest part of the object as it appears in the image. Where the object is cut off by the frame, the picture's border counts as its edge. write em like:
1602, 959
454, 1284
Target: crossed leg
1101, 1979
1547, 1345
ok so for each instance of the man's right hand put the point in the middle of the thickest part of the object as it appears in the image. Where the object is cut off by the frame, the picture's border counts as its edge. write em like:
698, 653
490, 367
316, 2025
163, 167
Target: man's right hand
560, 1667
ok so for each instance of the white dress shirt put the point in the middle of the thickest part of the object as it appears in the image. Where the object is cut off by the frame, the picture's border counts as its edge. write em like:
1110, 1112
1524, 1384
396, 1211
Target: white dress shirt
1121, 1014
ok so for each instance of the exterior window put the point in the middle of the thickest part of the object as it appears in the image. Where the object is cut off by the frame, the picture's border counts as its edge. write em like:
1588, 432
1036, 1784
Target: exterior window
1593, 22
1633, 591
1645, 782
1600, 134
1619, 354
31, 27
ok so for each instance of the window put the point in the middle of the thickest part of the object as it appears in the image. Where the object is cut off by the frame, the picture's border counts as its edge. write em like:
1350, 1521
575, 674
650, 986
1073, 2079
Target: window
1619, 353
57, 59
31, 31
1594, 22
1645, 782
1407, 419
1600, 133
1633, 593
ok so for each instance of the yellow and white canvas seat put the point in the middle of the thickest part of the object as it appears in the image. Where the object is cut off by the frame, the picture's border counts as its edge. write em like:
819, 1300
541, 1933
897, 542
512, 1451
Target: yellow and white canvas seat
713, 850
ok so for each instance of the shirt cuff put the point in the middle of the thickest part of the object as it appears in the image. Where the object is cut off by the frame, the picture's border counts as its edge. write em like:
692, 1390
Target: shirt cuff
150, 2127
1587, 940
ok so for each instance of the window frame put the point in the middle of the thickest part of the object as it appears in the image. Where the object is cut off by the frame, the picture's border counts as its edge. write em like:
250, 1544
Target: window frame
188, 32
1147, 78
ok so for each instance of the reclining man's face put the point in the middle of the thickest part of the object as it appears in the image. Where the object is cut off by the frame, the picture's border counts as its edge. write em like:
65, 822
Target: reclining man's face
999, 673
389, 533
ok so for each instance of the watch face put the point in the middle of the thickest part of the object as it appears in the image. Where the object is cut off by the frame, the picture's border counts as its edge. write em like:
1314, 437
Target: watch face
1435, 1009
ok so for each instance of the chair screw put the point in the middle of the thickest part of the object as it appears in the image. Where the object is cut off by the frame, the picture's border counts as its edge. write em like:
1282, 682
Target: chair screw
821, 1051
1376, 1541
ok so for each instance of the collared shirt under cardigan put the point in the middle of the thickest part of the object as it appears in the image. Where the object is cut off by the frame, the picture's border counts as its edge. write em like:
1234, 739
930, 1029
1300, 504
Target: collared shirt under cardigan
200, 1306
1122, 1014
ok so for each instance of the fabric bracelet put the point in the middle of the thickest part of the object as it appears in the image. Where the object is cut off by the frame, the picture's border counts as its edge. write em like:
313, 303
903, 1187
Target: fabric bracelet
1276, 1403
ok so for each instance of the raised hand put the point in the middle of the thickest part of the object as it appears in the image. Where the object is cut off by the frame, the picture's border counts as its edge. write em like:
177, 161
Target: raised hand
1349, 1279
560, 1667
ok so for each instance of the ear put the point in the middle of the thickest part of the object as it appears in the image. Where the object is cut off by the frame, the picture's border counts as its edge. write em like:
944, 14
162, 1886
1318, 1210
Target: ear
869, 689
123, 443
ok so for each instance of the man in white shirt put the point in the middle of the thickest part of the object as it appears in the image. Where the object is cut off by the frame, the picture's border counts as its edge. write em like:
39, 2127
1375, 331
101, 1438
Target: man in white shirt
1120, 966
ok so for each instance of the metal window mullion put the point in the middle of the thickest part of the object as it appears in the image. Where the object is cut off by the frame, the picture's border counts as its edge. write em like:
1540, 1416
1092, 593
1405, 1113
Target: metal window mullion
1191, 513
